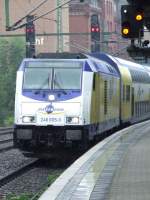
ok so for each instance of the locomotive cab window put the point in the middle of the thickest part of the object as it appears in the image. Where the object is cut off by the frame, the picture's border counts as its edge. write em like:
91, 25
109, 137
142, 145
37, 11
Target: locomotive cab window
54, 75
67, 79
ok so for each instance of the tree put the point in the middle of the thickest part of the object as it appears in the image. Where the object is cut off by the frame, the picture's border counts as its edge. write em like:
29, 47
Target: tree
12, 52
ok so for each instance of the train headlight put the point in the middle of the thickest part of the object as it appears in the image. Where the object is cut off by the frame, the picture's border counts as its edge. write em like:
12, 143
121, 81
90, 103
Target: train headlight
72, 120
51, 97
28, 119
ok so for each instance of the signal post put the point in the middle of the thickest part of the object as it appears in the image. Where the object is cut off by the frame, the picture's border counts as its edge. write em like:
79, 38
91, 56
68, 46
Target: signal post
134, 18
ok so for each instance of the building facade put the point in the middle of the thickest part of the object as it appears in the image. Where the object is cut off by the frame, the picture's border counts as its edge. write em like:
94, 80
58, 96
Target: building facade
68, 28
109, 19
81, 16
48, 26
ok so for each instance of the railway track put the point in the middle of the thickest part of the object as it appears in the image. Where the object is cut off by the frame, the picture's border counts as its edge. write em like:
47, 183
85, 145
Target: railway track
6, 138
14, 174
33, 176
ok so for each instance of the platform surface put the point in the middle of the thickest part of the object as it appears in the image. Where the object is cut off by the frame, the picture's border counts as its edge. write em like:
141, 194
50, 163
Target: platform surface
117, 168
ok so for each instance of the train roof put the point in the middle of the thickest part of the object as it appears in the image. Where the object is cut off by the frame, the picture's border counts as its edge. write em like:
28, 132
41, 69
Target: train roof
138, 72
115, 61
62, 55
98, 65
91, 63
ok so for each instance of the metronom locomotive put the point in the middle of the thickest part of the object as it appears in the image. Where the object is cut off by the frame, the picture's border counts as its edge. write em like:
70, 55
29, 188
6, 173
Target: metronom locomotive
75, 98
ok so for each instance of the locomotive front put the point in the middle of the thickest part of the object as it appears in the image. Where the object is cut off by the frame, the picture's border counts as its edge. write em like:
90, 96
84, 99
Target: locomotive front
48, 103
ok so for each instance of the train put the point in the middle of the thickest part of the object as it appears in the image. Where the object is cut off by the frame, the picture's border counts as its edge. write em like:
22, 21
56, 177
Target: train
66, 99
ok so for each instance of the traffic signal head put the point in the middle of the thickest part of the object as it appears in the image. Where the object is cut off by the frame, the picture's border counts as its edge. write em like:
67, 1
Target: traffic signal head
30, 30
141, 3
95, 32
30, 37
131, 21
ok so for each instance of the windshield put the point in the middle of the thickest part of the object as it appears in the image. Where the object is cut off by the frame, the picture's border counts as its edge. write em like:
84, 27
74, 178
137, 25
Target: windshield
54, 78
37, 78
67, 79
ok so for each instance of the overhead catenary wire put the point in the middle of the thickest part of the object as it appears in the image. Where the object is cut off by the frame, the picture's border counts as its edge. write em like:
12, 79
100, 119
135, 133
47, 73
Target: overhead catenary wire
29, 13
41, 16
119, 51
31, 10
77, 46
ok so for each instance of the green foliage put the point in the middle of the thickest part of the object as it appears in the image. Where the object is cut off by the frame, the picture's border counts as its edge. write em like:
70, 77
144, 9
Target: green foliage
12, 52
22, 197
52, 177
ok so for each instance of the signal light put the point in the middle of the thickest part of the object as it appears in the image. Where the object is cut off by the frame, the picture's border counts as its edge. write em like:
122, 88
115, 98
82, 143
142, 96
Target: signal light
95, 38
132, 21
138, 17
125, 30
30, 30
92, 29
95, 29
30, 37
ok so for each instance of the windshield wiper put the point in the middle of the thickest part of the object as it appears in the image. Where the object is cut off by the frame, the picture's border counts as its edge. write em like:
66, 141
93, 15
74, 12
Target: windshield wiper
42, 86
58, 84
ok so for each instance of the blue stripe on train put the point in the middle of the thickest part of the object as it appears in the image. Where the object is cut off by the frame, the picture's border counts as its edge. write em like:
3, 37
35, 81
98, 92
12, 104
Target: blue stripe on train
42, 95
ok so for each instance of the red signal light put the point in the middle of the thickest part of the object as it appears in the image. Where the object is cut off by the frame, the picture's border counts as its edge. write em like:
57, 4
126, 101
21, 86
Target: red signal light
30, 30
95, 29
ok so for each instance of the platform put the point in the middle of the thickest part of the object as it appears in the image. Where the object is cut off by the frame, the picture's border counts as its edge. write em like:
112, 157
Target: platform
118, 168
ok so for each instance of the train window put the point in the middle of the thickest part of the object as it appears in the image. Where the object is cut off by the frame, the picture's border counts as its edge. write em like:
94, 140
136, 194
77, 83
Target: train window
127, 92
52, 78
37, 79
139, 76
54, 63
110, 68
67, 78
105, 97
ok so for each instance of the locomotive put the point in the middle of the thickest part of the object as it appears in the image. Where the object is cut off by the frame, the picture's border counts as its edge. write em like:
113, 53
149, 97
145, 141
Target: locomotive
72, 99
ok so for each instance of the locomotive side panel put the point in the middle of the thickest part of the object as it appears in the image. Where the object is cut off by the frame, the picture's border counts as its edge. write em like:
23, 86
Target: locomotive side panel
105, 101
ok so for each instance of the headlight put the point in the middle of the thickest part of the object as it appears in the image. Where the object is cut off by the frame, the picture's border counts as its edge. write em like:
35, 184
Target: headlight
72, 120
28, 119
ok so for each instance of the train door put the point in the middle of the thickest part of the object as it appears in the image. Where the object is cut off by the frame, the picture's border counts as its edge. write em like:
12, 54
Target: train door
132, 102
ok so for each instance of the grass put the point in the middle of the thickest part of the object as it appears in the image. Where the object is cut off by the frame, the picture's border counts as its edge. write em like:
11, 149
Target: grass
20, 197
51, 178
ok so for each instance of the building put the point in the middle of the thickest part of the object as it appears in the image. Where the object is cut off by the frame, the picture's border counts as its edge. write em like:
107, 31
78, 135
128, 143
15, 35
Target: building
107, 12
48, 26
81, 18
112, 40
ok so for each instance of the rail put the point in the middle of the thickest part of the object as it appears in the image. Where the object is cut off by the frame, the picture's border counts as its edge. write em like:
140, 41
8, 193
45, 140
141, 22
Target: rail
6, 138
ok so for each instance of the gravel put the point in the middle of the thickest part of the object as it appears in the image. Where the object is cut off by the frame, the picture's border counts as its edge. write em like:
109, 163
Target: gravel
11, 161
29, 183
